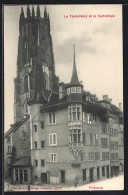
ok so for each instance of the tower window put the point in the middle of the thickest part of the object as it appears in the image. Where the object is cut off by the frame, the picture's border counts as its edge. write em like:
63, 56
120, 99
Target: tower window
26, 83
42, 125
78, 89
73, 89
35, 128
75, 135
75, 112
68, 91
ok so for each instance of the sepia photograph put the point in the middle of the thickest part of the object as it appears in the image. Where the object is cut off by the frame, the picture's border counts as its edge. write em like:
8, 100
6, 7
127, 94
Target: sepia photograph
63, 97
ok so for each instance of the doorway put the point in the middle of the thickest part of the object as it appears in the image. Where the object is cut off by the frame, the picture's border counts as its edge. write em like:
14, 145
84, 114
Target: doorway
62, 175
112, 174
107, 171
84, 174
91, 174
44, 178
21, 176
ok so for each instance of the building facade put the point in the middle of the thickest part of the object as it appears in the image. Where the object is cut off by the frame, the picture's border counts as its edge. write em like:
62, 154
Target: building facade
62, 133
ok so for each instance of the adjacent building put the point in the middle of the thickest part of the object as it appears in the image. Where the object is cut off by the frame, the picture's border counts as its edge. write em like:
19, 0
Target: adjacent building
61, 132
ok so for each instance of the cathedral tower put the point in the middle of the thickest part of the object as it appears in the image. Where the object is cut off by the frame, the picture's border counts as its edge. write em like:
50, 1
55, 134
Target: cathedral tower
35, 52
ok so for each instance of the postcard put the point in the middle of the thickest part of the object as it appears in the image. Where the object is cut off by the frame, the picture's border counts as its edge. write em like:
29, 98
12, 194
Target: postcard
63, 98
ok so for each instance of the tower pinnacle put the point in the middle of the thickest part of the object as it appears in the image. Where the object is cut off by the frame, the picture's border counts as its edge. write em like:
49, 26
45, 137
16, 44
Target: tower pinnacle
74, 79
38, 11
28, 12
45, 12
33, 12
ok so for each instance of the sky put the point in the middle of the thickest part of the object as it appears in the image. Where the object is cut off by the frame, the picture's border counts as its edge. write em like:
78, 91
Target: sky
98, 45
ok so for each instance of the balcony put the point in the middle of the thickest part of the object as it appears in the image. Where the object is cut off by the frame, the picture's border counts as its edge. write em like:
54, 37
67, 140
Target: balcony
75, 145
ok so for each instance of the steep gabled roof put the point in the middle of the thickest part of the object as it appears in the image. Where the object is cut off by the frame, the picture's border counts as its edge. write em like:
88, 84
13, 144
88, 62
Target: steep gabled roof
15, 126
22, 161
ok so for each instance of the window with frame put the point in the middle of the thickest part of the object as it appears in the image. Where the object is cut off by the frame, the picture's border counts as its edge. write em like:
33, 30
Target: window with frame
53, 157
75, 112
97, 156
35, 128
42, 124
9, 160
91, 139
68, 91
107, 156
36, 163
73, 89
83, 116
104, 129
42, 144
42, 162
104, 142
35, 144
9, 149
91, 118
96, 139
78, 89
53, 139
91, 156
75, 135
24, 143
52, 118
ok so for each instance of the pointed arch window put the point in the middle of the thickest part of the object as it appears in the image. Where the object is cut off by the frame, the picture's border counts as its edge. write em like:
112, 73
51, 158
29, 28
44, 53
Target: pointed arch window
26, 83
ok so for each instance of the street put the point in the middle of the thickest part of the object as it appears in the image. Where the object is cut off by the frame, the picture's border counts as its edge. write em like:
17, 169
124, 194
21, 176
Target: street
115, 183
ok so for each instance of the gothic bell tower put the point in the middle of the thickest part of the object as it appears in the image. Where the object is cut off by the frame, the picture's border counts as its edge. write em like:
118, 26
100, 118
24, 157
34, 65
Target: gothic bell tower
35, 49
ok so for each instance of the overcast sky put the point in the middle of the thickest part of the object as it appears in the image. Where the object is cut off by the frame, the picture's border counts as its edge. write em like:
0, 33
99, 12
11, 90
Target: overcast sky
98, 44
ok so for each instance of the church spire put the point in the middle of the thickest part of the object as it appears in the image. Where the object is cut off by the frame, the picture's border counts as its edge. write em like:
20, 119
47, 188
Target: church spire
28, 12
45, 12
38, 11
74, 79
21, 16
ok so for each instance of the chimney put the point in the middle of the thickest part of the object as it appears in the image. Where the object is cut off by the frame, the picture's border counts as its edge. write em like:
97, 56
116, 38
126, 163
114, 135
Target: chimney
110, 101
105, 97
61, 90
120, 106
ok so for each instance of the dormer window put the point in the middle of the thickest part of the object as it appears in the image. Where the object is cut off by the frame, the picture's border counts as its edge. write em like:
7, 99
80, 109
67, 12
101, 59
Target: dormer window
68, 91
78, 89
73, 89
